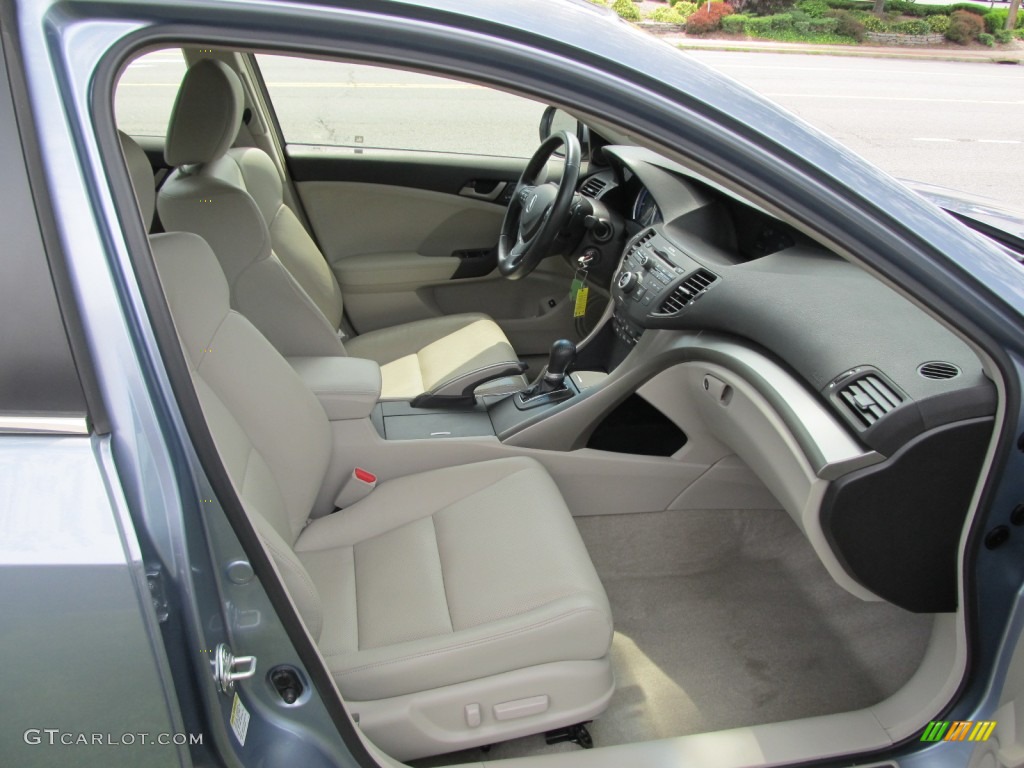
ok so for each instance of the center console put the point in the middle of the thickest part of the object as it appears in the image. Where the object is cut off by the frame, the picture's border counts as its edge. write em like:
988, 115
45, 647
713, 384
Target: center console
655, 282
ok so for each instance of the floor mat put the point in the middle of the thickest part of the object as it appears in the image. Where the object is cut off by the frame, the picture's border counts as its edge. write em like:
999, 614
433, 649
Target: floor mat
726, 619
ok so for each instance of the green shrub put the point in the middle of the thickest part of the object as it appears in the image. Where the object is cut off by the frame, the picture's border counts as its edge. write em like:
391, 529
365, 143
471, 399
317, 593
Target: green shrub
964, 27
938, 23
996, 20
912, 27
803, 27
816, 9
762, 7
684, 8
667, 15
758, 26
735, 24
780, 21
826, 26
1019, 34
848, 25
875, 24
626, 9
1003, 36
708, 18
986, 39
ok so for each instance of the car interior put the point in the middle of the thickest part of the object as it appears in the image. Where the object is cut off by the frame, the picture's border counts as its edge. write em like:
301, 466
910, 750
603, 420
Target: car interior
580, 450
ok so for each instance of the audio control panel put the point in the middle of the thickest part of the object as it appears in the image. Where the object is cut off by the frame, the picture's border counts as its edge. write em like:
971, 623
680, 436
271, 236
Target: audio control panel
655, 280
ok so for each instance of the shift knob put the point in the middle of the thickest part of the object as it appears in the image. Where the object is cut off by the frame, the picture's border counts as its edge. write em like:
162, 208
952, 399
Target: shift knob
563, 353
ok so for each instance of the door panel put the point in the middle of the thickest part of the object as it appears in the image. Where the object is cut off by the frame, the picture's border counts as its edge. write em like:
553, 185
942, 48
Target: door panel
356, 219
418, 243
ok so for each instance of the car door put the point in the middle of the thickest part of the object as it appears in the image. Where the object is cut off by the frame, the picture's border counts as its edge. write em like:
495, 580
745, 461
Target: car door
404, 179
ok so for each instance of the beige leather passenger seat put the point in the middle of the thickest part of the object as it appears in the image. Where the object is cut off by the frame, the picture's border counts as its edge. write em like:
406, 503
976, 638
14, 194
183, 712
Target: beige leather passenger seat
279, 279
456, 607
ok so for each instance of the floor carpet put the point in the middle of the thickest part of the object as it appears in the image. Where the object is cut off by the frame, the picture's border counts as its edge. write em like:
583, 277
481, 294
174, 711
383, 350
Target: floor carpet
726, 619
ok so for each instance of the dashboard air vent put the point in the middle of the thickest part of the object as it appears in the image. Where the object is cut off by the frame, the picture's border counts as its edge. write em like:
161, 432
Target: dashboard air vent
938, 370
687, 291
869, 398
593, 187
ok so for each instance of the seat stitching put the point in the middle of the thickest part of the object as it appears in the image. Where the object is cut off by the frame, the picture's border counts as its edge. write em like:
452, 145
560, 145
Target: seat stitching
212, 339
440, 565
467, 644
355, 591
283, 562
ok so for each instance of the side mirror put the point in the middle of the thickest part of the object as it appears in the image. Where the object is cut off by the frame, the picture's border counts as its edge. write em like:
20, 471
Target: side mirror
554, 120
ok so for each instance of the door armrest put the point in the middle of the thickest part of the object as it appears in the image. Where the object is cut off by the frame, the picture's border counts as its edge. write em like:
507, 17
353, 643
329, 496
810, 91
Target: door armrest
457, 392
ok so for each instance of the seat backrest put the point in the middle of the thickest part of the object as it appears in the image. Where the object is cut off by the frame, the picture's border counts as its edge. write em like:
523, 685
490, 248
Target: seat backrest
271, 432
233, 199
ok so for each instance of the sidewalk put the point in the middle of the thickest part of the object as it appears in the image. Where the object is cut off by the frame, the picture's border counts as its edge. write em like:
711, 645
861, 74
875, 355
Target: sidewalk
1004, 54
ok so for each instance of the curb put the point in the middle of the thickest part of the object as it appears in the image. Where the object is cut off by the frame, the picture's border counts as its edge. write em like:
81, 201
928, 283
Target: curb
852, 52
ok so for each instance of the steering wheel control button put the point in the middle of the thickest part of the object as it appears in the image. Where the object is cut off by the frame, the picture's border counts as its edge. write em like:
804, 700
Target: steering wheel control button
627, 281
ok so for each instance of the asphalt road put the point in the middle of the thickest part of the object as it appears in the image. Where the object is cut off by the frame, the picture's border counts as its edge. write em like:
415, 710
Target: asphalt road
959, 125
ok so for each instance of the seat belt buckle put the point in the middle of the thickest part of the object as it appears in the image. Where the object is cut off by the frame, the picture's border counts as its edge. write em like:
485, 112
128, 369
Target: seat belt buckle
358, 486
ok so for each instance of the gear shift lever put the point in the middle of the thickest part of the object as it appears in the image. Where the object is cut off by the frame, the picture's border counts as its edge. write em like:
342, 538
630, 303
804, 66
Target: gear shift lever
550, 387
562, 355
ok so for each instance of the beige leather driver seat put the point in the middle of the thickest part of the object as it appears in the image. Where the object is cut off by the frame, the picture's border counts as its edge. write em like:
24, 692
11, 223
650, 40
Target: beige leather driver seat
455, 607
279, 279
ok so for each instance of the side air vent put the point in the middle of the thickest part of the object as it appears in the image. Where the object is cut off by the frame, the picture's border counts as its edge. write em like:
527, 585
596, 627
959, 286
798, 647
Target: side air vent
938, 370
645, 237
593, 187
687, 291
869, 398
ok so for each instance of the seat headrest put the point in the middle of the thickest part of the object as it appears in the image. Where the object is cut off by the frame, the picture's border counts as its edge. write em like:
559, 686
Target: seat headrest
206, 116
141, 173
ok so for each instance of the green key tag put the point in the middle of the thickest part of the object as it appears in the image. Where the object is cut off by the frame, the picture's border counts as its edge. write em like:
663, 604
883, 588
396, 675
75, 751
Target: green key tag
578, 292
580, 308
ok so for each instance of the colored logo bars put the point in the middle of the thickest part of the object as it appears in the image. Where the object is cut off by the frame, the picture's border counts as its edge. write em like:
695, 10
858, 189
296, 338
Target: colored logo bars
960, 730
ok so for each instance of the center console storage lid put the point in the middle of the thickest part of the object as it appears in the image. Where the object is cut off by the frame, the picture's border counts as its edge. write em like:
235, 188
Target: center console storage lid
347, 387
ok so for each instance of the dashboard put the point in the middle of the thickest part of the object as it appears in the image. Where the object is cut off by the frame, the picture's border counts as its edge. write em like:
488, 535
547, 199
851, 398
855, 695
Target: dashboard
716, 272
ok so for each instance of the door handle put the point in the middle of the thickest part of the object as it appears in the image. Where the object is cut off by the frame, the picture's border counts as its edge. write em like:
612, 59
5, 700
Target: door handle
484, 189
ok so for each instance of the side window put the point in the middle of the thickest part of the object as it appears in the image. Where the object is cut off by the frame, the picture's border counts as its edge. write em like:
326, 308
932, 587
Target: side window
146, 91
368, 107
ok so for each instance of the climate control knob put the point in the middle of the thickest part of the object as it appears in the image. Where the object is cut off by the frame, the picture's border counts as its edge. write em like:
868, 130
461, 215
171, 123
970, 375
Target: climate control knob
645, 261
627, 281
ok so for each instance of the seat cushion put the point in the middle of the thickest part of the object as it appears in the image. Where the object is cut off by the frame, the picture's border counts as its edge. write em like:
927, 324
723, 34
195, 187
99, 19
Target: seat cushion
415, 357
453, 575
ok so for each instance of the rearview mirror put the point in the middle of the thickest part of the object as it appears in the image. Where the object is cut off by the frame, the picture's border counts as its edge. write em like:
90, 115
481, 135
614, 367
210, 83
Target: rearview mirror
554, 120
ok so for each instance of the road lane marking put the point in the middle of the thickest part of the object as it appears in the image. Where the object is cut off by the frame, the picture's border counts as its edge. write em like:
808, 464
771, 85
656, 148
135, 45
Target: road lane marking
888, 98
831, 70
414, 86
968, 141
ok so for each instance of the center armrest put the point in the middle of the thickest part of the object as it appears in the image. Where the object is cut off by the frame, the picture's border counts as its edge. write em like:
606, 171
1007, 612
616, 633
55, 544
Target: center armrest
347, 387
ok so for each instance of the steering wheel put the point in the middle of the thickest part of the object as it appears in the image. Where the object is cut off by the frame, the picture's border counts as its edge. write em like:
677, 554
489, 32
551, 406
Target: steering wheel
537, 212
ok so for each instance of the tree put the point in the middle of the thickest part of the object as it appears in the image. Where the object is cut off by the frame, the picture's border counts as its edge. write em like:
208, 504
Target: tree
879, 8
1011, 16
